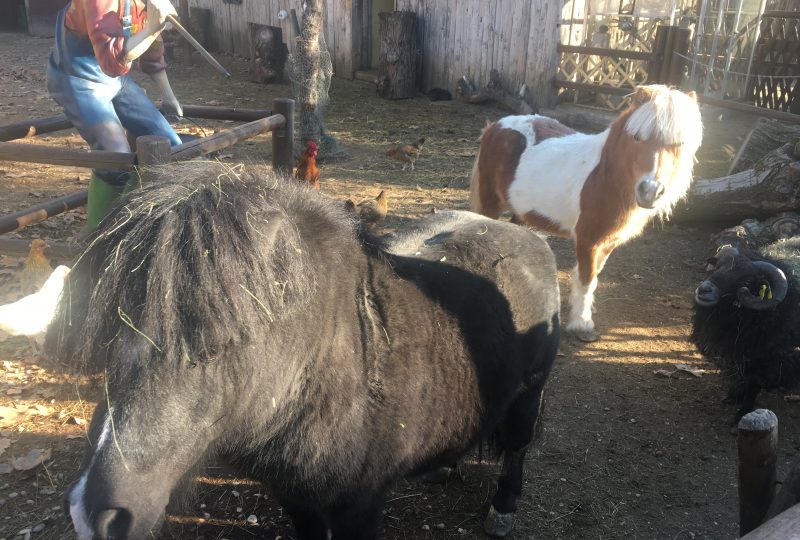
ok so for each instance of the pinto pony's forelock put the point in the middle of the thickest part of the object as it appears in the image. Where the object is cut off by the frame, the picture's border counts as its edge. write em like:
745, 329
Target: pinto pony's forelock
192, 307
673, 119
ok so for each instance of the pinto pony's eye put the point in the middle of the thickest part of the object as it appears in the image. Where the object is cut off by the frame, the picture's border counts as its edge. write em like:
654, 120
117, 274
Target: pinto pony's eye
637, 137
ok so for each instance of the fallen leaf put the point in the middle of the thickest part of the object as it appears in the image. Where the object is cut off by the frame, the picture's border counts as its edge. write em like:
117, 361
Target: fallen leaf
41, 410
35, 457
8, 416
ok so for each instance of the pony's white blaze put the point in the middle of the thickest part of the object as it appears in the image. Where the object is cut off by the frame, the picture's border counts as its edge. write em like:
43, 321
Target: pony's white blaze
573, 157
77, 508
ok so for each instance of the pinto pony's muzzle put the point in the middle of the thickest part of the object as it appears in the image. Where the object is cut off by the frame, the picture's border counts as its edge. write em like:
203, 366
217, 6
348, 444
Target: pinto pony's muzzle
648, 191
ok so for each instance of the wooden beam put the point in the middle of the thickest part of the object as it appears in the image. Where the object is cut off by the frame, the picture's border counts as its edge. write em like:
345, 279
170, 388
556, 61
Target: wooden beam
752, 109
226, 138
54, 155
40, 212
40, 126
237, 114
600, 51
782, 14
601, 88
30, 128
706, 100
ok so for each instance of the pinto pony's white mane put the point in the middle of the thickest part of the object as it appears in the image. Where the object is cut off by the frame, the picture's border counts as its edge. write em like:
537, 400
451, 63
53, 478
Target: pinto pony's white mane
672, 118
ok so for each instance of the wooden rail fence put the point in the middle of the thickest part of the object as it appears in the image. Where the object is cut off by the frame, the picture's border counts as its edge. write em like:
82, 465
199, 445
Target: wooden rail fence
150, 150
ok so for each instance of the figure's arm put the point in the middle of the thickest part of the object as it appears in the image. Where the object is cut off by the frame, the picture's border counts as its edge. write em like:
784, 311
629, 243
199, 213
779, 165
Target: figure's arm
167, 96
139, 43
115, 52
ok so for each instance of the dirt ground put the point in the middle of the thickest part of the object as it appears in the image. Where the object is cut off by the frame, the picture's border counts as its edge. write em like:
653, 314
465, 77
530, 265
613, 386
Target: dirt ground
625, 453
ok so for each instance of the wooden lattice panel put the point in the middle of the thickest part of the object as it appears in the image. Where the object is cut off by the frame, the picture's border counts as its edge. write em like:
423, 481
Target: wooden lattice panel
776, 64
602, 70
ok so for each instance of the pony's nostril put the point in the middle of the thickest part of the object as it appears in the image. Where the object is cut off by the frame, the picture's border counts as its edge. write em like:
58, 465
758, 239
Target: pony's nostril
113, 523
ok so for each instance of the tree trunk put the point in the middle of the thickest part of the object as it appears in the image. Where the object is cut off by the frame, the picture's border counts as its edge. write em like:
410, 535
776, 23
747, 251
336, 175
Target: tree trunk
397, 62
771, 186
765, 137
308, 53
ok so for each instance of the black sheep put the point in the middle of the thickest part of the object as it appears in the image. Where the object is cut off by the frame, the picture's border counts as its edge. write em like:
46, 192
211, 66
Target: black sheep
747, 320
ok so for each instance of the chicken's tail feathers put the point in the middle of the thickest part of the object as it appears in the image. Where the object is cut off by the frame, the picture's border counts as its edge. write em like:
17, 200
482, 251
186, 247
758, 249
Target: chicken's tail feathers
418, 143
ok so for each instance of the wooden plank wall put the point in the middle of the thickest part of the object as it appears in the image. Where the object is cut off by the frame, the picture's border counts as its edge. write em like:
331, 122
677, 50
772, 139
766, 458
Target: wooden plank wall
470, 37
229, 26
457, 37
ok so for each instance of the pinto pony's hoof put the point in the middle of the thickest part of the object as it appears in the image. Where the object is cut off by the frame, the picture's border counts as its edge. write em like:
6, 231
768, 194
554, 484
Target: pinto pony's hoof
583, 330
498, 525
587, 336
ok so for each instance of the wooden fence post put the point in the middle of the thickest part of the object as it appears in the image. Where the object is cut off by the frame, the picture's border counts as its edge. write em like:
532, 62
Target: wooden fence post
283, 138
186, 47
151, 150
677, 60
757, 443
659, 55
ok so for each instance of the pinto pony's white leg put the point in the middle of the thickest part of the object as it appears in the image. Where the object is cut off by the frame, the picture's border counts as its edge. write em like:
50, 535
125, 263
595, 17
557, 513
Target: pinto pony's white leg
581, 297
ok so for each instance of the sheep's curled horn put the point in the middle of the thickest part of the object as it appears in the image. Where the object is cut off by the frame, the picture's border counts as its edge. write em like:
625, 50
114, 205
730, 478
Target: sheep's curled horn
777, 283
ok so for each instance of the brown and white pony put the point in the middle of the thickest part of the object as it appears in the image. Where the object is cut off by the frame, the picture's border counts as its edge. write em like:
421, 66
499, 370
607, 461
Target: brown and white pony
599, 189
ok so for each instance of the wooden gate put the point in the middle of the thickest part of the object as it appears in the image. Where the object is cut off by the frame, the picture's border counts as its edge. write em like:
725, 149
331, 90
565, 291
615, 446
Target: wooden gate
604, 75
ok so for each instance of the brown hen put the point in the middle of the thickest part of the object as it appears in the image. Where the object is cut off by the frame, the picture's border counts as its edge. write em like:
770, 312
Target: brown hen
371, 212
407, 153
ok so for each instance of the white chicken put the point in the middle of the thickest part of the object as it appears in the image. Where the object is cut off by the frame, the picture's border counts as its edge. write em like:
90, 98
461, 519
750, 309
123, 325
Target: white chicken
31, 315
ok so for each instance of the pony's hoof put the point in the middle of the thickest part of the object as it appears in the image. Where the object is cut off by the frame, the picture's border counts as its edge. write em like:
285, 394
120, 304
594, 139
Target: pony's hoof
497, 524
587, 336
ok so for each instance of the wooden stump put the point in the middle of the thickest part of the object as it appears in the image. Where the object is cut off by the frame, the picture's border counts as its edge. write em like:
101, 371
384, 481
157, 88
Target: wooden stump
268, 53
199, 25
757, 444
397, 73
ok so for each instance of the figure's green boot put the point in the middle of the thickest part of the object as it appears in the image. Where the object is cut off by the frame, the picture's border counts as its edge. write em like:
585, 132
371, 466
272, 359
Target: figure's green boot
102, 198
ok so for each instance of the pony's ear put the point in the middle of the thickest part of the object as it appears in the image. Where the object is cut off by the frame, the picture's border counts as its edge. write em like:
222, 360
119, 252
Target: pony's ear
692, 94
643, 94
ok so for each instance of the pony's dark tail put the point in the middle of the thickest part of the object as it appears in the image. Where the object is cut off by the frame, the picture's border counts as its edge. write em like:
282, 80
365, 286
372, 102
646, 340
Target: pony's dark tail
474, 186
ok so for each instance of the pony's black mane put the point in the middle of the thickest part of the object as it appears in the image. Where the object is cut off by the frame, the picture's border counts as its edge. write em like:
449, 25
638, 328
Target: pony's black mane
204, 307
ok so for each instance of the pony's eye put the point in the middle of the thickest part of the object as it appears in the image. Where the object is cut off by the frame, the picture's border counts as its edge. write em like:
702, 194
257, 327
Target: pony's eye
637, 137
